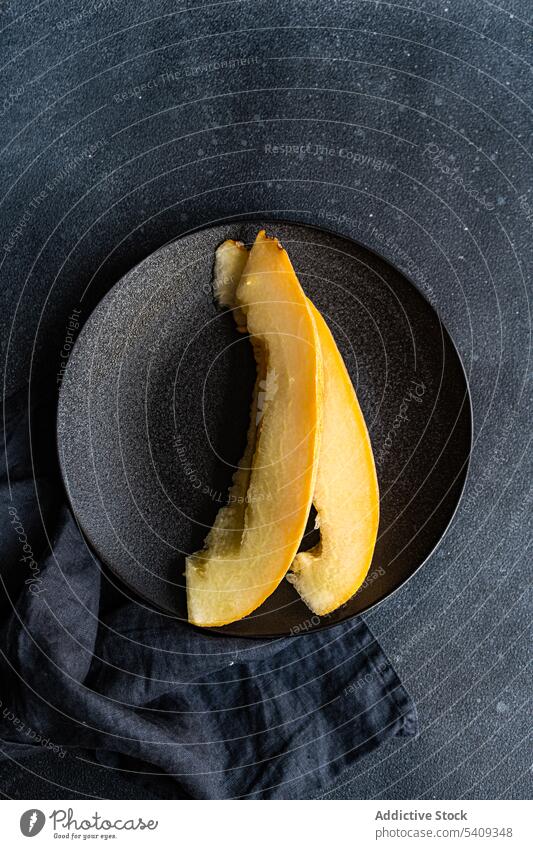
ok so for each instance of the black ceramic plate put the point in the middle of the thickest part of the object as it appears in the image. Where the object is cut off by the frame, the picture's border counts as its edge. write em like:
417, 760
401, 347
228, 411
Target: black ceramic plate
154, 409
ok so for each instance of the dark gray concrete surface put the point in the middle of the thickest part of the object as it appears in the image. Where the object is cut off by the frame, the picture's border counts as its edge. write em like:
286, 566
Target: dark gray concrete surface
406, 126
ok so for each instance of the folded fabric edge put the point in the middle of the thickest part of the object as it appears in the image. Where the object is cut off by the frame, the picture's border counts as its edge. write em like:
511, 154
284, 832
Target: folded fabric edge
397, 690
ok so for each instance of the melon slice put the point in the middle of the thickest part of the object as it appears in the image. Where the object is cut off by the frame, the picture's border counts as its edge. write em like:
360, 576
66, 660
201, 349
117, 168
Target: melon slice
346, 494
256, 536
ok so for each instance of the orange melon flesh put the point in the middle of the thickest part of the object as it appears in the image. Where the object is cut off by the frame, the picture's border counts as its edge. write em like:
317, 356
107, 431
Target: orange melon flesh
252, 543
346, 495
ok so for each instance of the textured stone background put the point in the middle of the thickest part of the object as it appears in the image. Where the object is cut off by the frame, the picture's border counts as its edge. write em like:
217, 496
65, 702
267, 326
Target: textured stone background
126, 124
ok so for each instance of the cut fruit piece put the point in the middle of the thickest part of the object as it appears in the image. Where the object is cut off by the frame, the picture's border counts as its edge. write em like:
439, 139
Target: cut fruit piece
346, 494
230, 260
254, 540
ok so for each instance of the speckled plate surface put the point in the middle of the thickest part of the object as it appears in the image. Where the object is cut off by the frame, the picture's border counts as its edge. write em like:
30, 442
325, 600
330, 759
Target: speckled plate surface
154, 408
